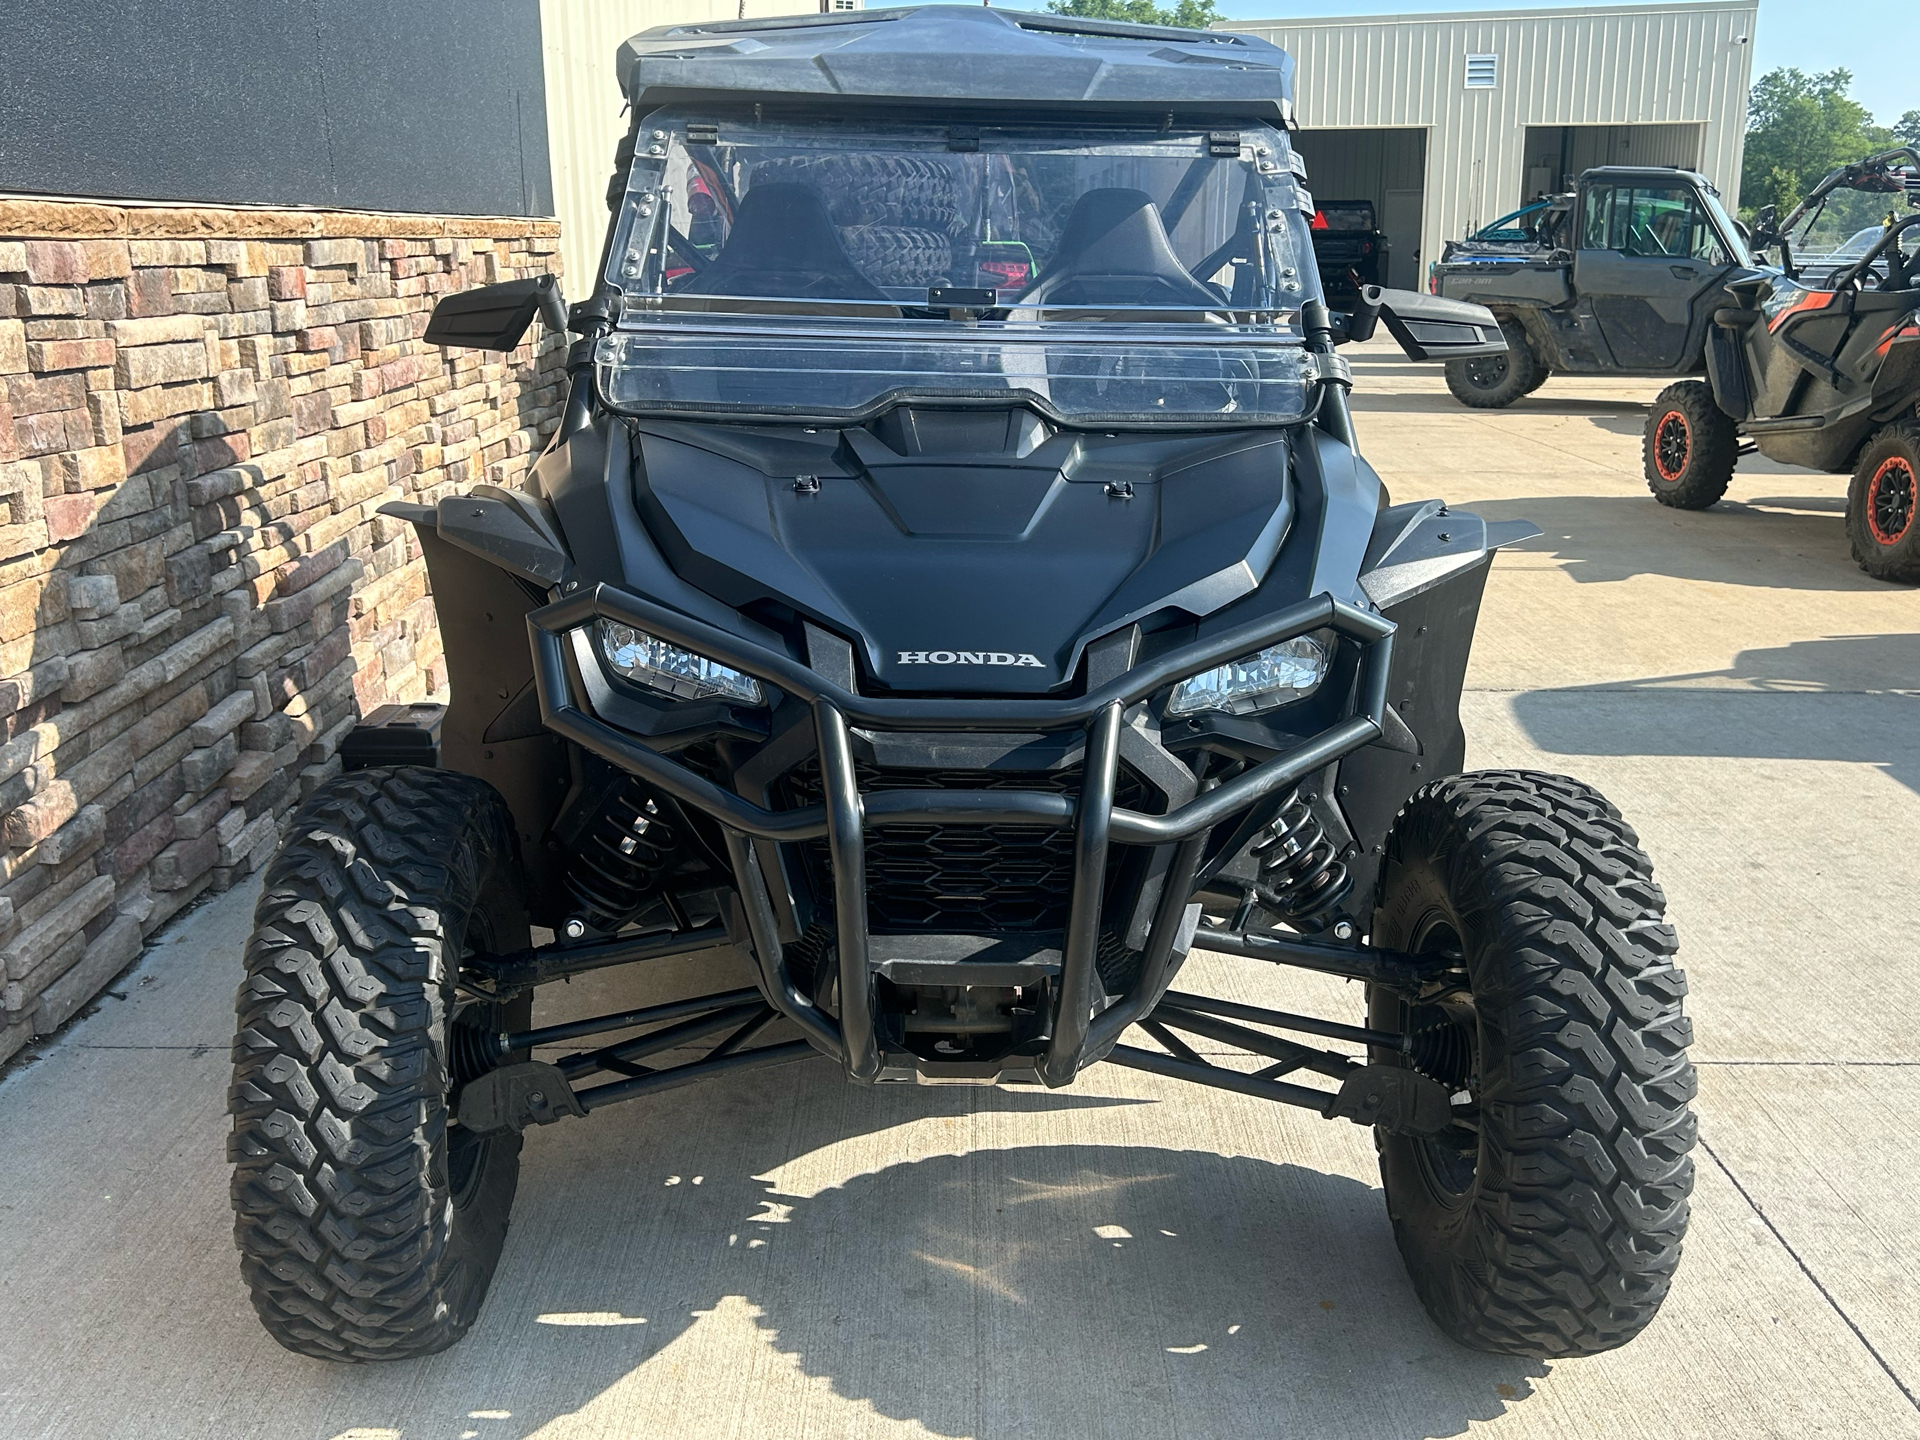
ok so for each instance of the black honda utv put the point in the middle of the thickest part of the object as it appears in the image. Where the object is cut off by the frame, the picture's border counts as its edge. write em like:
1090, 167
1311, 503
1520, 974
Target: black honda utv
954, 584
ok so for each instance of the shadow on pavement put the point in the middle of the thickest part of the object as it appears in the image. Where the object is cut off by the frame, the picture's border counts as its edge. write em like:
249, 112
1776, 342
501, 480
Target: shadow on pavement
1880, 728
783, 1249
1631, 426
1872, 664
1227, 1282
1827, 504
1426, 403
1063, 1290
1599, 539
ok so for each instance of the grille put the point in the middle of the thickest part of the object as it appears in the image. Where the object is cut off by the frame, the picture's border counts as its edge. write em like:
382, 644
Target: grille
961, 878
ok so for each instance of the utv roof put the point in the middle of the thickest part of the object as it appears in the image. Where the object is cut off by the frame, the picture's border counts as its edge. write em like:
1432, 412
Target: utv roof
1645, 172
960, 56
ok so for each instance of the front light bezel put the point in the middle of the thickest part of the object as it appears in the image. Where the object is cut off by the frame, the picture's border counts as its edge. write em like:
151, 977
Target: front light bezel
1256, 701
712, 681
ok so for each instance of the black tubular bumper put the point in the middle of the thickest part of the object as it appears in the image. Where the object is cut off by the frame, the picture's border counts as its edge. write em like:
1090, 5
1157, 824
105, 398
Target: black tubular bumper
844, 813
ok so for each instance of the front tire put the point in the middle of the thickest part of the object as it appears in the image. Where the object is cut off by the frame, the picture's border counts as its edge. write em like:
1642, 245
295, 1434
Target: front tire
1548, 1220
1881, 501
1689, 448
368, 1221
1492, 382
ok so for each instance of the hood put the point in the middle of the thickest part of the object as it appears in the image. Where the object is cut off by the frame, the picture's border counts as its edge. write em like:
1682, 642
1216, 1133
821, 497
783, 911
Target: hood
971, 552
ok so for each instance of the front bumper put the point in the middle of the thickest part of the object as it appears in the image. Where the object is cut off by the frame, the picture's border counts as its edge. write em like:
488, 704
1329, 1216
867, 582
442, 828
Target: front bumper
1075, 1034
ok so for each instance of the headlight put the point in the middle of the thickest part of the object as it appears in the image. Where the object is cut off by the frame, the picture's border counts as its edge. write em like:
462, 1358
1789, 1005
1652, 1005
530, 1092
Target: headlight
1278, 675
667, 668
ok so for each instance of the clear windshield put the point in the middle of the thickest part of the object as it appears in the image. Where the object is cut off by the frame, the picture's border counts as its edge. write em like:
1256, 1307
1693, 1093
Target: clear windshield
1861, 241
823, 269
1729, 232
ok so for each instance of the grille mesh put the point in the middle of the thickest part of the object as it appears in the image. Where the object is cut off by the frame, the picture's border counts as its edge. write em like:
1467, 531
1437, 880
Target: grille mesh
961, 878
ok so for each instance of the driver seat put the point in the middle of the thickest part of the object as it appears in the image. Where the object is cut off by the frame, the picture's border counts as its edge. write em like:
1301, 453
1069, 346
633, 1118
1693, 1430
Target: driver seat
1114, 250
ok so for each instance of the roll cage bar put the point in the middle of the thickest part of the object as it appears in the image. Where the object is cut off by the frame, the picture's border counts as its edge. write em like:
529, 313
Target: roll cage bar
1898, 276
1873, 168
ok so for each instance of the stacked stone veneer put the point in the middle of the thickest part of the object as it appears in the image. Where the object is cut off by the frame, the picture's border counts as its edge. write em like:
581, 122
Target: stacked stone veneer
200, 413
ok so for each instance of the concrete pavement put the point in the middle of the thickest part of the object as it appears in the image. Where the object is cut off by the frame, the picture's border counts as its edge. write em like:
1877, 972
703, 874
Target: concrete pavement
783, 1254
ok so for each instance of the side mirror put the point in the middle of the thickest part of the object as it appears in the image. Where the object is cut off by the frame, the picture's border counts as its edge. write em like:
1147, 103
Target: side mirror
1766, 221
495, 317
1428, 327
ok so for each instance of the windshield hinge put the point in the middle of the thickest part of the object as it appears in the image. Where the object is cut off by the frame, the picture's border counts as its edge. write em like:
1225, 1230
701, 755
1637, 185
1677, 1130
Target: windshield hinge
1223, 144
703, 132
963, 139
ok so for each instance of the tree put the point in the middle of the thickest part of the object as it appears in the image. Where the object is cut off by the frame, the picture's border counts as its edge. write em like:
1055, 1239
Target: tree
1799, 127
1907, 128
1187, 15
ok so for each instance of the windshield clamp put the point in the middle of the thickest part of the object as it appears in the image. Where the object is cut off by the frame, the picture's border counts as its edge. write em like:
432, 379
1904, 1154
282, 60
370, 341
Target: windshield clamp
1223, 144
1329, 369
703, 132
963, 139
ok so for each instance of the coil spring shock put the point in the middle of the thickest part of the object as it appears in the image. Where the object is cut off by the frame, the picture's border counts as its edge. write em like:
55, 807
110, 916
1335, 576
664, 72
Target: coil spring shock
1301, 873
621, 856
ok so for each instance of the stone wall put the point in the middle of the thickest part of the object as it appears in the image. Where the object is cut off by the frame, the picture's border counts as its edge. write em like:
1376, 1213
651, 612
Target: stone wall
200, 412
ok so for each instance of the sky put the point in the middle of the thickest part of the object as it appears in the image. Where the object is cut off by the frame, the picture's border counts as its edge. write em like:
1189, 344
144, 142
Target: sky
1872, 38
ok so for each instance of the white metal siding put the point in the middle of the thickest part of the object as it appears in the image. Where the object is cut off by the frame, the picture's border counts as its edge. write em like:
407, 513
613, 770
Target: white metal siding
1670, 65
578, 40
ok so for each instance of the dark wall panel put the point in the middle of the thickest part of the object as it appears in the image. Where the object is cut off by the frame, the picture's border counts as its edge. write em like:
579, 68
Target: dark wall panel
419, 105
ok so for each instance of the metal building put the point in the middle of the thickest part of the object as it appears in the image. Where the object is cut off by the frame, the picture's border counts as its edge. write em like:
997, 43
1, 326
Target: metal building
1447, 121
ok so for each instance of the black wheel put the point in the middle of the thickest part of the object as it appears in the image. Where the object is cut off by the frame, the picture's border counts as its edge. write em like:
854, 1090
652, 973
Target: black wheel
1689, 448
1548, 1219
1490, 382
368, 1221
1881, 503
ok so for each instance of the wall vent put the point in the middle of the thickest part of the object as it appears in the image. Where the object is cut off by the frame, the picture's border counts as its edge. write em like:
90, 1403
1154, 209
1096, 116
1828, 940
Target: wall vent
1483, 71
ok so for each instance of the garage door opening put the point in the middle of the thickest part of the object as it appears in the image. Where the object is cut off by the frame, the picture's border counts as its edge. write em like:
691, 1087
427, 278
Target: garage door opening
1385, 169
1556, 154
